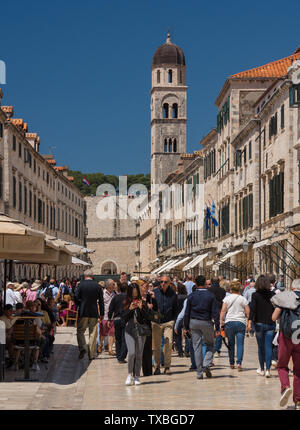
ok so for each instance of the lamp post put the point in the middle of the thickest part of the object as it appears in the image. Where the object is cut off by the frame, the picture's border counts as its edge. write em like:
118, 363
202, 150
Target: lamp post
245, 246
224, 249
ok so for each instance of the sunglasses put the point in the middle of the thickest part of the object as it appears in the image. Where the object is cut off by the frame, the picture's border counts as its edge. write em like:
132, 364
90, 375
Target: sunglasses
164, 282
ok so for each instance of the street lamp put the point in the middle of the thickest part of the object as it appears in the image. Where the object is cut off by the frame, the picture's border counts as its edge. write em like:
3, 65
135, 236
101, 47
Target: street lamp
245, 245
275, 234
224, 249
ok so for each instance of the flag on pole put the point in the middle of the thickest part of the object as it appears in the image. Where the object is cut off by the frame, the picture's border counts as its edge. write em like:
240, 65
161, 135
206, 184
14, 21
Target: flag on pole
86, 182
207, 217
213, 214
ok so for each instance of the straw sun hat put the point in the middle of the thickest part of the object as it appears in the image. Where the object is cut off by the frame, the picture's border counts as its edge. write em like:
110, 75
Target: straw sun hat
36, 285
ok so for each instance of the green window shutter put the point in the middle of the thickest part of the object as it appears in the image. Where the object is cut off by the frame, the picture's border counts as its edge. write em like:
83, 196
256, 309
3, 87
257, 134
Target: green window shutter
282, 117
250, 210
281, 174
235, 217
228, 108
292, 95
271, 199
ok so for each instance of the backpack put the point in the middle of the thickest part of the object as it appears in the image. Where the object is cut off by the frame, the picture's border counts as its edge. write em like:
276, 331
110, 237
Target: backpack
288, 321
49, 292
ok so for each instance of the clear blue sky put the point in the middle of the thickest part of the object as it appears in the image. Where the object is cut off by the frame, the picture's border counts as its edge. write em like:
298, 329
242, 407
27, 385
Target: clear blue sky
79, 72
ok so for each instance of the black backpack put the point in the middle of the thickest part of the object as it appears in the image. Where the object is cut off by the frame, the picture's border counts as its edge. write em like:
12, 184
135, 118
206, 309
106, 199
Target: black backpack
288, 321
49, 292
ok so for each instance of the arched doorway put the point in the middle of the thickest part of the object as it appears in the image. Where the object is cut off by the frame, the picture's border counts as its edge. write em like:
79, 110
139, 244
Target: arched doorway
109, 268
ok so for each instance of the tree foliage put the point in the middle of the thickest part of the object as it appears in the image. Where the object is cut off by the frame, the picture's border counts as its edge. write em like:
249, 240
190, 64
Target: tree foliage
96, 179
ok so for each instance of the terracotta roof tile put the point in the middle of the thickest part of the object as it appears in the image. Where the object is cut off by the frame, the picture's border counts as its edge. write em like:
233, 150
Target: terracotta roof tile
60, 168
8, 109
275, 69
51, 162
71, 178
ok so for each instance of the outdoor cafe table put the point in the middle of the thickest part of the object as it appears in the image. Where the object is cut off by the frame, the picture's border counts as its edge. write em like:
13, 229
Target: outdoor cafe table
26, 345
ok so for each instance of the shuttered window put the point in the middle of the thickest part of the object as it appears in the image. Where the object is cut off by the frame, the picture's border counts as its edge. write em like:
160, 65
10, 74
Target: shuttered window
225, 220
276, 195
282, 117
20, 196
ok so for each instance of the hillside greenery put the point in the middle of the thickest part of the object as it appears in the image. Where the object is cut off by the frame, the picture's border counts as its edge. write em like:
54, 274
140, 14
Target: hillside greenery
97, 179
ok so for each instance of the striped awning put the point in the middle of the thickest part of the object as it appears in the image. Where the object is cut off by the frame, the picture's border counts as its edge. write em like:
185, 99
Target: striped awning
227, 256
195, 261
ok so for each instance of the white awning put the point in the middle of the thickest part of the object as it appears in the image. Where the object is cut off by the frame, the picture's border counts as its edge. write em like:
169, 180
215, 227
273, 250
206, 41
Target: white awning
160, 267
265, 242
179, 262
78, 261
169, 265
195, 261
227, 256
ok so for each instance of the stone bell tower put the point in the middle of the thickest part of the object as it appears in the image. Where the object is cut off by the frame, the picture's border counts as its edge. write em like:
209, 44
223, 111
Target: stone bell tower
168, 110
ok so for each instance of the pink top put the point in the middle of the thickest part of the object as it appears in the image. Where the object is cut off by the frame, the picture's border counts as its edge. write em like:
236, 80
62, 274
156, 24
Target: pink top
31, 295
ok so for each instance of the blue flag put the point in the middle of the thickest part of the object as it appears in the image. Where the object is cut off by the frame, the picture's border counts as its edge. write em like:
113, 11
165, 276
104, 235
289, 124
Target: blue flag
207, 217
213, 216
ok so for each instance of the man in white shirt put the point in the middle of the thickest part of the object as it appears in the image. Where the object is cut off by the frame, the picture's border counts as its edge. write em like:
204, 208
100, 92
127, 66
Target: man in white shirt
11, 298
189, 284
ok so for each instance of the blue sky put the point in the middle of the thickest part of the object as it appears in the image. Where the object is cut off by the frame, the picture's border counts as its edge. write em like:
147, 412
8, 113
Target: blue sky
80, 72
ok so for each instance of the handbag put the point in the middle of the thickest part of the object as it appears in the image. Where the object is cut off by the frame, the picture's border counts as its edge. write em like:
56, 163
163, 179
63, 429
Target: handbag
144, 329
155, 316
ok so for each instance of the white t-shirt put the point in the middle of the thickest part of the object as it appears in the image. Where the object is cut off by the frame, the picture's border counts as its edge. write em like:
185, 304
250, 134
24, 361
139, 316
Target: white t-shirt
235, 308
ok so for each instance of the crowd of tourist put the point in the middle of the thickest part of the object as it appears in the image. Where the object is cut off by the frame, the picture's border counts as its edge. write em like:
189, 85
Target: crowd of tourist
148, 319
50, 302
142, 321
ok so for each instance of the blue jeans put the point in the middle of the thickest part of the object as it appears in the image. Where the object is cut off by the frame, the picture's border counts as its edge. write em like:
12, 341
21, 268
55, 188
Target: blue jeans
264, 336
235, 330
218, 343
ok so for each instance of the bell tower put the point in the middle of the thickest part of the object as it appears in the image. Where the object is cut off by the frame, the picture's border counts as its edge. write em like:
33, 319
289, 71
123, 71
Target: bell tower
168, 110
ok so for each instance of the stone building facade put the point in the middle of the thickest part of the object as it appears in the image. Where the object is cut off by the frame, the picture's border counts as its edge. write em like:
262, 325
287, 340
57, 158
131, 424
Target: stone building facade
113, 239
249, 167
35, 191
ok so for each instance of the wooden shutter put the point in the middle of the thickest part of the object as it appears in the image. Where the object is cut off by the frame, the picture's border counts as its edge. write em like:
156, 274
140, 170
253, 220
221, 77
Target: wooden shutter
235, 217
281, 181
282, 117
250, 210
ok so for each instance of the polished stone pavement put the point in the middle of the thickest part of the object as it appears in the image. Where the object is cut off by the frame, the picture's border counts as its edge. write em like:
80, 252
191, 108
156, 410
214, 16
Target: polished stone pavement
67, 383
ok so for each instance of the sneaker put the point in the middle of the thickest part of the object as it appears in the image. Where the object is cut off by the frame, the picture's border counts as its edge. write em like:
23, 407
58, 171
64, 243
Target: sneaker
167, 371
129, 380
199, 376
232, 366
137, 381
157, 371
260, 372
268, 374
285, 396
274, 364
239, 367
35, 367
207, 372
44, 360
122, 361
297, 406
192, 368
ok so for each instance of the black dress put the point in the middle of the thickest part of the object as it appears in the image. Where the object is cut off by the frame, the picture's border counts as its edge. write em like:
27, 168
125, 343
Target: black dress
147, 353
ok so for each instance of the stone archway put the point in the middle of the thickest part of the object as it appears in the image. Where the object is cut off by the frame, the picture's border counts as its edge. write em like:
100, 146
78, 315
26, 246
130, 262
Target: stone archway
109, 268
